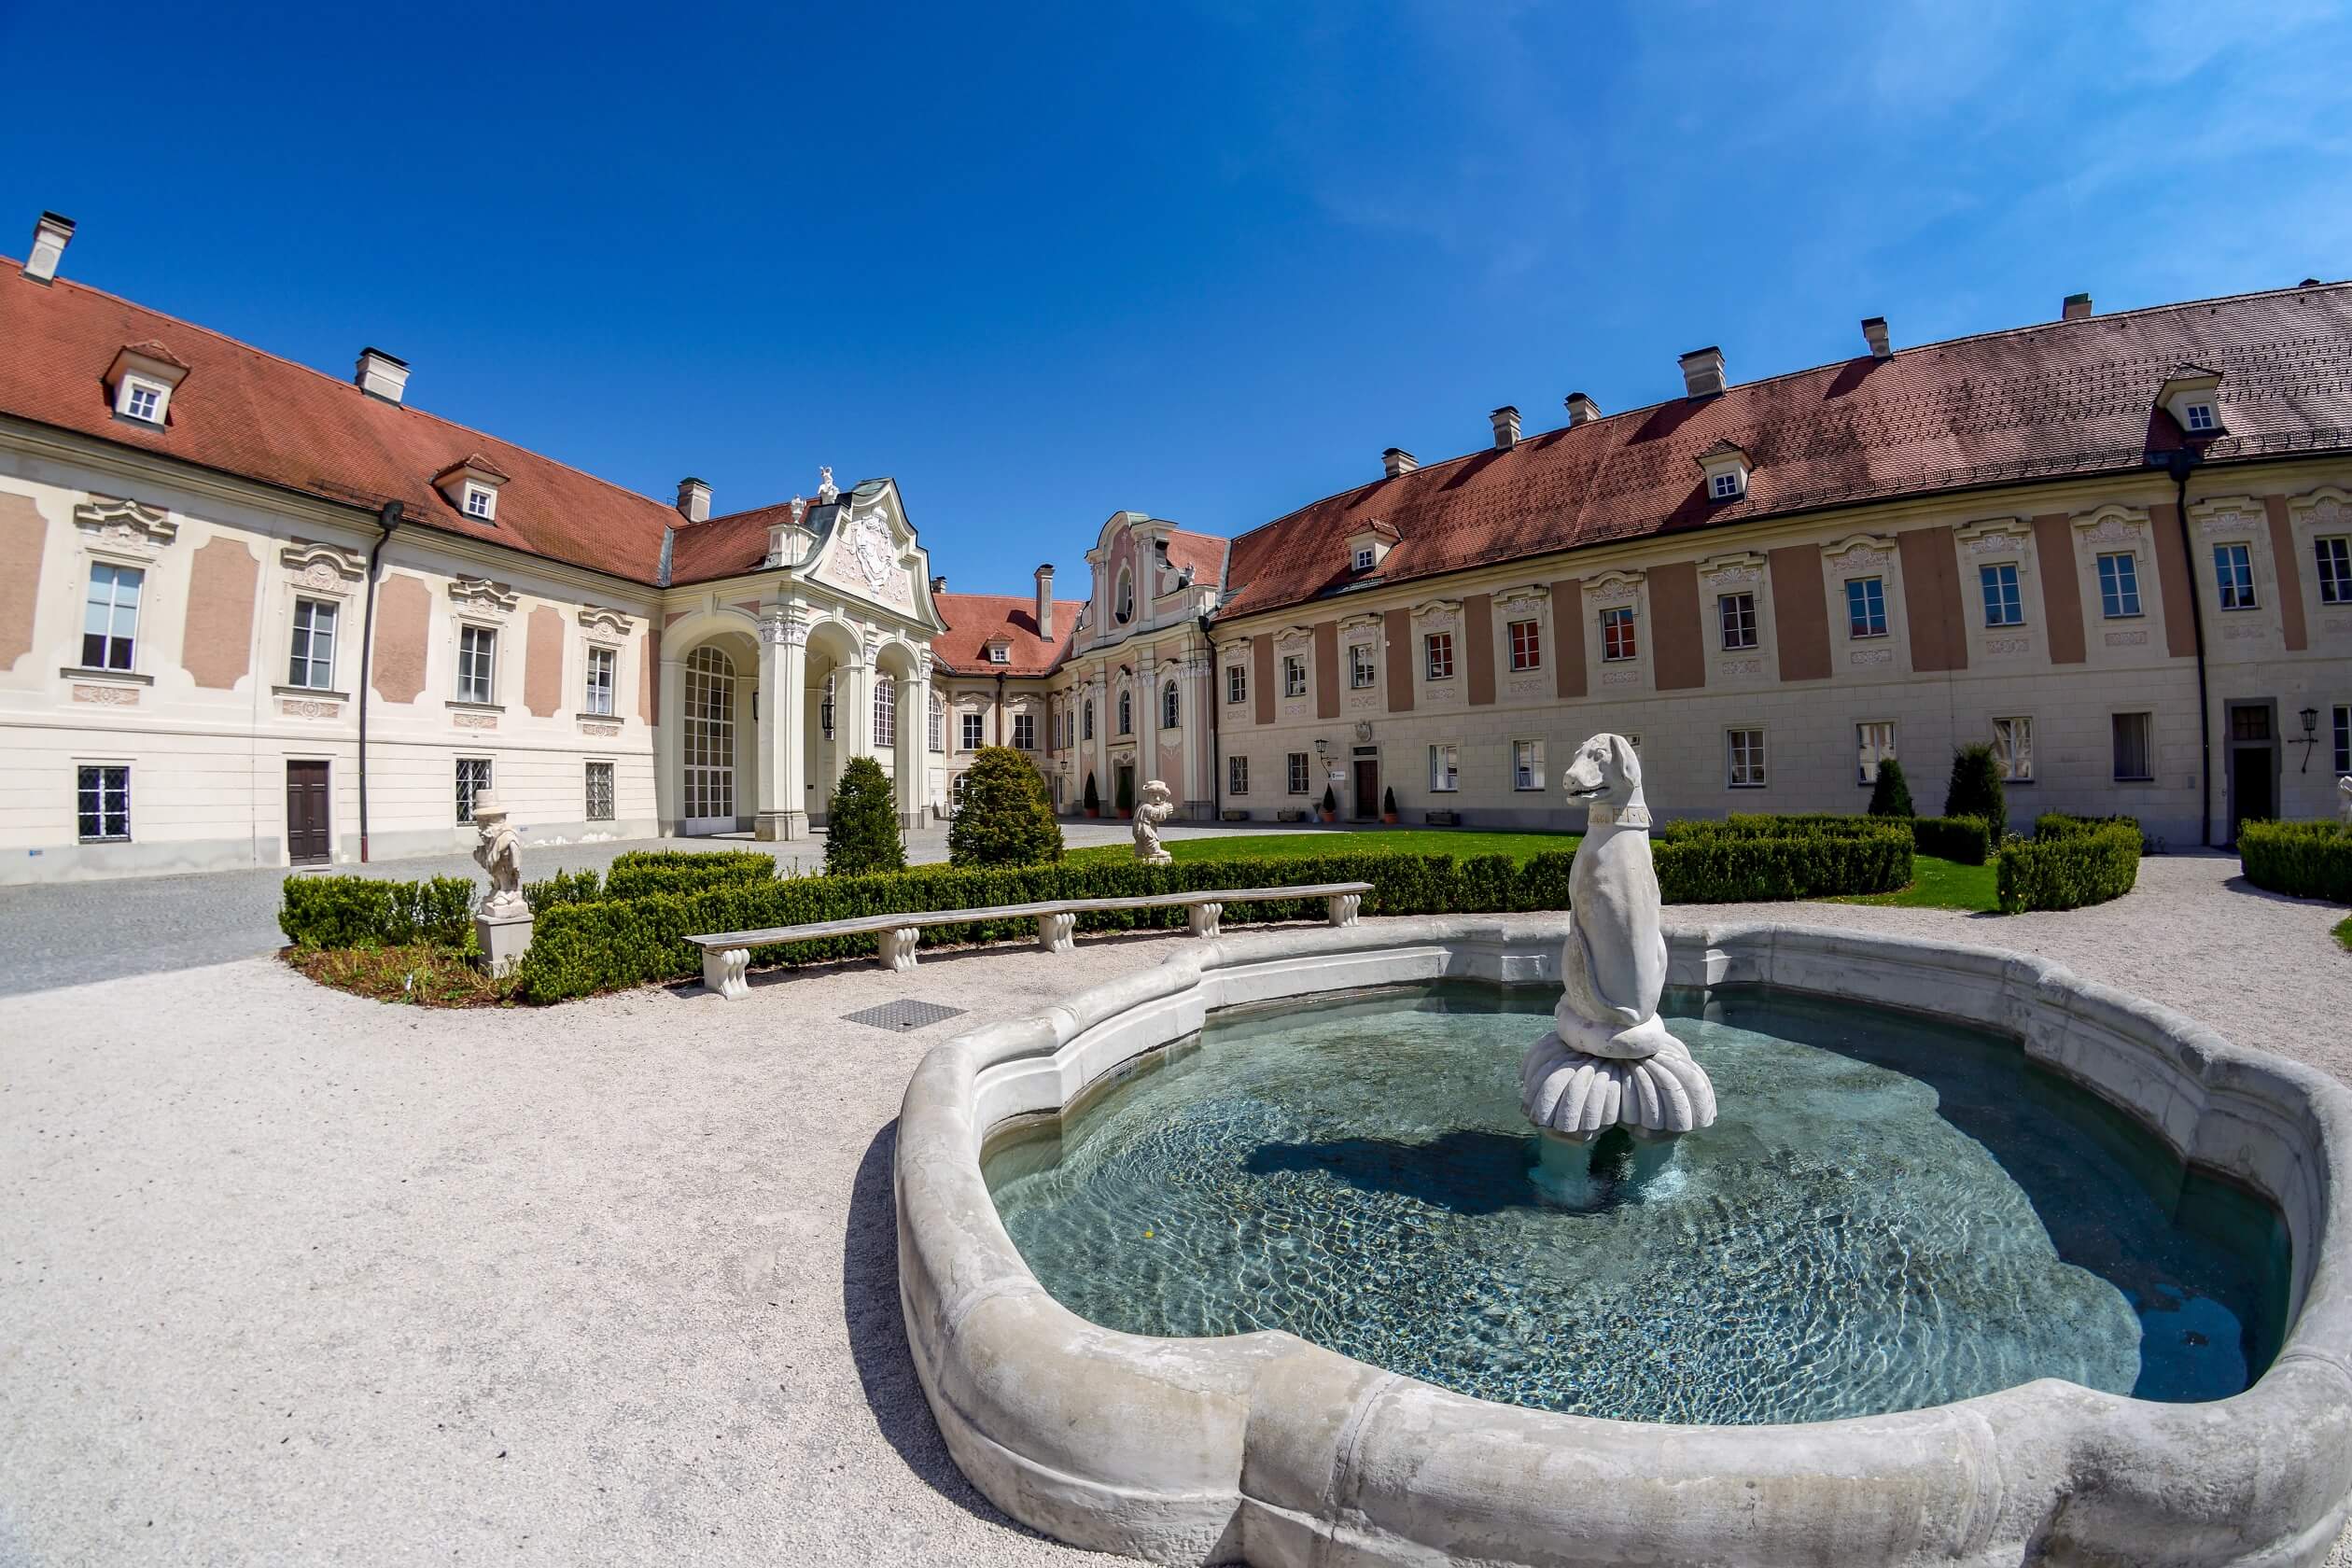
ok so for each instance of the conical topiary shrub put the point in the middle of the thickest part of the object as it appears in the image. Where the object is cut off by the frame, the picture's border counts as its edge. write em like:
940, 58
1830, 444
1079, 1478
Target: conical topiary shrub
1976, 787
1006, 818
1890, 796
862, 829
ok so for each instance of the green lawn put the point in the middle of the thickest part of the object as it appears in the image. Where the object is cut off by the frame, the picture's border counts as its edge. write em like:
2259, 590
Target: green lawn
1941, 884
2343, 930
1394, 841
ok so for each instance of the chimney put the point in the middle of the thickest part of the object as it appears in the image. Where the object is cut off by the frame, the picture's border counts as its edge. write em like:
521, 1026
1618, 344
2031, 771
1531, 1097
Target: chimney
1703, 373
1874, 328
939, 583
380, 375
1396, 460
1045, 602
2076, 308
694, 500
1505, 421
1581, 409
52, 234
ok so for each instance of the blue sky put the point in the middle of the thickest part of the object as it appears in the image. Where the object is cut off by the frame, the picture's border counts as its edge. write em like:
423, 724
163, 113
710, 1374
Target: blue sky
1201, 260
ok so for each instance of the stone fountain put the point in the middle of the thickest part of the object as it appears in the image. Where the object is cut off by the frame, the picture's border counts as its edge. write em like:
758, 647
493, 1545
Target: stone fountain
1608, 1062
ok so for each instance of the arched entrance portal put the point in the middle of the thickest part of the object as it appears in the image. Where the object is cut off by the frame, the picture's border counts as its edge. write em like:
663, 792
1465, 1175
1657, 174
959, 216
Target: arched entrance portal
709, 743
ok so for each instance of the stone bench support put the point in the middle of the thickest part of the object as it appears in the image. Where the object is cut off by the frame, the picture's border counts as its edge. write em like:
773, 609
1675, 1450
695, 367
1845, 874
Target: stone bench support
726, 955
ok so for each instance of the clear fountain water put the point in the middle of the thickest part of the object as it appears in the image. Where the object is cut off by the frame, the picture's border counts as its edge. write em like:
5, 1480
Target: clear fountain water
1889, 1213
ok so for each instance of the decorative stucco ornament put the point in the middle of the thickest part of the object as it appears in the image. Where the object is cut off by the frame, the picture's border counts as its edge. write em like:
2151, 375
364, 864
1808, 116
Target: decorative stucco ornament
1609, 1061
1157, 806
499, 853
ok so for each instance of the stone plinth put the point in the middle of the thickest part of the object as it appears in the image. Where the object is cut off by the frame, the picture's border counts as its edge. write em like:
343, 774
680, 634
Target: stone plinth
503, 940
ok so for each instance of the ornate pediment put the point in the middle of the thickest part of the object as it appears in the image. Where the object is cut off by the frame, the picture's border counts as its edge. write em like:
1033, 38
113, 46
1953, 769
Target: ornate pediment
126, 525
1995, 536
2112, 524
595, 618
323, 568
479, 596
870, 552
2326, 508
2227, 514
1524, 601
1860, 552
1744, 569
1290, 639
1619, 586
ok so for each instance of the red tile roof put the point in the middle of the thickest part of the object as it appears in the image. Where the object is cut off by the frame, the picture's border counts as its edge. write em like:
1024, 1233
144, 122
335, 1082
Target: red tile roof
2066, 398
242, 412
974, 620
726, 546
1204, 552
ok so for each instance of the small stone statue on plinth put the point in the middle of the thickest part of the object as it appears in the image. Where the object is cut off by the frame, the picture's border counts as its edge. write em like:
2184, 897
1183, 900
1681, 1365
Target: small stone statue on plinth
1157, 806
1609, 1062
2343, 800
503, 926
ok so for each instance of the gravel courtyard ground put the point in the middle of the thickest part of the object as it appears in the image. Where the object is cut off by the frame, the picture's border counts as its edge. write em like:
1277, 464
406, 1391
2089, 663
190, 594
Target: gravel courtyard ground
294, 1278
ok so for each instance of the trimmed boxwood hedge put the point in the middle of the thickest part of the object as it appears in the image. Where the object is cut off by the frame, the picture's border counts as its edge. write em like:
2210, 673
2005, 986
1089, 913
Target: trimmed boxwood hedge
581, 948
2307, 860
364, 911
641, 872
1962, 840
2068, 863
1965, 840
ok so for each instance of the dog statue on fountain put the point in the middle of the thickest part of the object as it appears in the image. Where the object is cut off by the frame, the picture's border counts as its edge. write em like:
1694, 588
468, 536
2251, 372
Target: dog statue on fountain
1609, 1061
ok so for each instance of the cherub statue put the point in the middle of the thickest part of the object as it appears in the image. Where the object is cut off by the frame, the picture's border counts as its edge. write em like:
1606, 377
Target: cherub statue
1157, 806
499, 852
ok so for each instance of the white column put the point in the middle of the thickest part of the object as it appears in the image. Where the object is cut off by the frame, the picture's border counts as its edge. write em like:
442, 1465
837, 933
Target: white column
669, 750
783, 811
914, 723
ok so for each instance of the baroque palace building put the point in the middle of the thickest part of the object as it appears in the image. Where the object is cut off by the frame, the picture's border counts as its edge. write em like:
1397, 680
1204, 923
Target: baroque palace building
251, 614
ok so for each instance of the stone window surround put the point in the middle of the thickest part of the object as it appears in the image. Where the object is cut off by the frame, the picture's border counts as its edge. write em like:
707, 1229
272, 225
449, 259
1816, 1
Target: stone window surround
1760, 760
1848, 558
326, 574
458, 625
117, 533
2223, 519
2324, 512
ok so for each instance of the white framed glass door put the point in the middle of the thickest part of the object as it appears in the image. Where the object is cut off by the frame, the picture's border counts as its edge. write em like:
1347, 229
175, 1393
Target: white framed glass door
709, 743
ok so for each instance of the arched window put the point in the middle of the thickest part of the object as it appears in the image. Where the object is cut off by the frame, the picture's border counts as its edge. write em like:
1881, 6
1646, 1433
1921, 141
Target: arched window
885, 709
1090, 718
1169, 709
1126, 596
938, 736
1126, 711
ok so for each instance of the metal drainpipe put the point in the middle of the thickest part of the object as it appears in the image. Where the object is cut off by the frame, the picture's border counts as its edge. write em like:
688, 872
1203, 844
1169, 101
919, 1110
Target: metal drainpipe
1215, 701
387, 519
2180, 463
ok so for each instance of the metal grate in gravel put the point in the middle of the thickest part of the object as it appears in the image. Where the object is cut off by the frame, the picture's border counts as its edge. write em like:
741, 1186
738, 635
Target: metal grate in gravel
902, 1016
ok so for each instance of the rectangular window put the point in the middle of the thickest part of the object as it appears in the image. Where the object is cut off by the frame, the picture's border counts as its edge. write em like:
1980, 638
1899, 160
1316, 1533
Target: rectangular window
602, 664
1294, 675
477, 664
1236, 684
1025, 732
2200, 417
1000, 653
972, 723
2343, 739
1866, 606
142, 401
1298, 779
1724, 487
2233, 572
1618, 641
1744, 758
2335, 570
1437, 656
2002, 606
1737, 612
480, 501
312, 664
1873, 743
1527, 645
885, 711
473, 777
938, 736
1236, 776
102, 803
1362, 671
110, 618
1443, 776
2119, 585
2134, 756
1364, 559
600, 791
2013, 748
1527, 764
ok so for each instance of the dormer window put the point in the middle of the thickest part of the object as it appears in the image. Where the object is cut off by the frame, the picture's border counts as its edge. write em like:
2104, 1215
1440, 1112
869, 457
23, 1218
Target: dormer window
1725, 468
1000, 653
1369, 545
142, 378
471, 483
2192, 396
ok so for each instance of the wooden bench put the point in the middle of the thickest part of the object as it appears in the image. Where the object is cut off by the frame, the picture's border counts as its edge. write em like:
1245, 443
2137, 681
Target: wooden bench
726, 955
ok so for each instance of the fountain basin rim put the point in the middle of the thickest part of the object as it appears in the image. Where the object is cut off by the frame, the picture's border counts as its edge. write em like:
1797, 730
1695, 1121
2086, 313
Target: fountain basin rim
1264, 1445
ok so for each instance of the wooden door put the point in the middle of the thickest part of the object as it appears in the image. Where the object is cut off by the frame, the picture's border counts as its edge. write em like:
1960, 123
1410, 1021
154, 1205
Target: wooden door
309, 840
1367, 789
